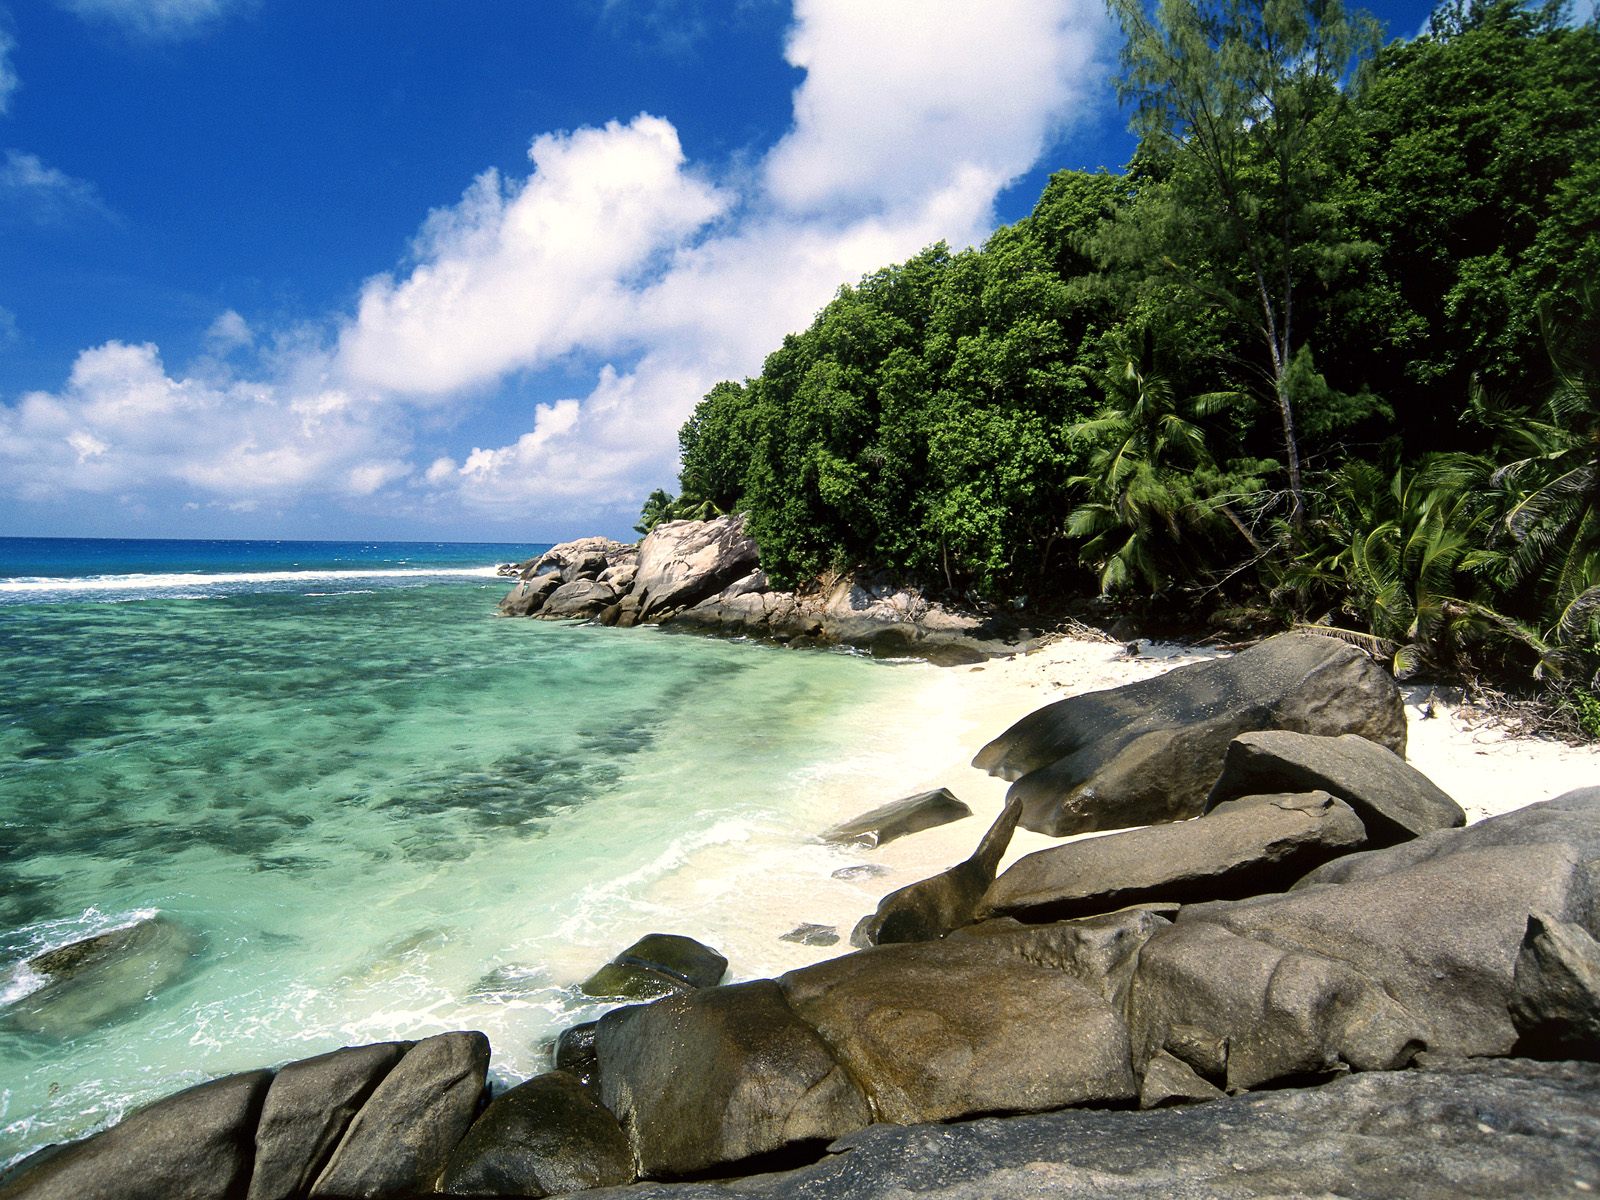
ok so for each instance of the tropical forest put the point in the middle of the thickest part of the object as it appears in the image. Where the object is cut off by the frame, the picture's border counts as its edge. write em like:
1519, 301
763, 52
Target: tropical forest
1326, 352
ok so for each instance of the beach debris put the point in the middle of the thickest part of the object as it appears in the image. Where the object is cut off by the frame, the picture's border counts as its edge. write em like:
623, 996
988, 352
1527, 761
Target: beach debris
912, 814
1150, 751
658, 964
931, 908
1394, 800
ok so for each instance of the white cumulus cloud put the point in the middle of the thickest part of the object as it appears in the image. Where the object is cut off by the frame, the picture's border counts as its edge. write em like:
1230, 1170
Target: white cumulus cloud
521, 272
912, 118
614, 253
123, 423
44, 194
156, 20
8, 73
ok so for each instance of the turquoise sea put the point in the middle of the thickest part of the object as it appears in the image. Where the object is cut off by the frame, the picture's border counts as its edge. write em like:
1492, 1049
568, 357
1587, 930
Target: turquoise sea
363, 805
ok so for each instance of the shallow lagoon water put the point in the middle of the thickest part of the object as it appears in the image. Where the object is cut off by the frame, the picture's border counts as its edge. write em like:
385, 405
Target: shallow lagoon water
383, 812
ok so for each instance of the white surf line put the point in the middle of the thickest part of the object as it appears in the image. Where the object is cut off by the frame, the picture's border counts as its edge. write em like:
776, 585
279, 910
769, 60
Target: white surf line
116, 583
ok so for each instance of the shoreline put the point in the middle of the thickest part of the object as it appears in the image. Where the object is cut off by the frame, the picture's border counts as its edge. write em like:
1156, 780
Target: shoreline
930, 744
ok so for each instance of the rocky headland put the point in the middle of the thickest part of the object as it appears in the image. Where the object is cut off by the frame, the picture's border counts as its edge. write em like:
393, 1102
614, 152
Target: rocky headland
1302, 974
706, 577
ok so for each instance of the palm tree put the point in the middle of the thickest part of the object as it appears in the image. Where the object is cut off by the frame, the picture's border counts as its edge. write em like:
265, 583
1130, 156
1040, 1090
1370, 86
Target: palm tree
1142, 499
1552, 519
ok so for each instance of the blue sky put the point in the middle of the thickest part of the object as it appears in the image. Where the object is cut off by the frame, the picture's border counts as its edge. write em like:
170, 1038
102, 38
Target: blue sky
460, 268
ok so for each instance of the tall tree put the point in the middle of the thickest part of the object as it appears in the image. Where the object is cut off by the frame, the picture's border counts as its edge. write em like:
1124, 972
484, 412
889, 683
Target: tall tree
1243, 102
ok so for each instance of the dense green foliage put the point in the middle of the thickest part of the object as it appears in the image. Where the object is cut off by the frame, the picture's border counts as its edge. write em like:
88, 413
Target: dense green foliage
1328, 347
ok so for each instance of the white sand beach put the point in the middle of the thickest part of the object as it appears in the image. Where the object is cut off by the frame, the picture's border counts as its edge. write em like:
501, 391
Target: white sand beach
742, 896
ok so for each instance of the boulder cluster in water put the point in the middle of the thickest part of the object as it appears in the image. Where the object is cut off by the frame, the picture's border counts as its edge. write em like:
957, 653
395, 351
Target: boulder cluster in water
706, 577
1303, 907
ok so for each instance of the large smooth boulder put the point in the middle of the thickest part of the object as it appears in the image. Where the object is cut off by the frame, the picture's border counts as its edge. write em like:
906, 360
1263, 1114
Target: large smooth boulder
1493, 1130
1241, 848
1150, 751
1395, 801
1555, 1002
105, 978
398, 1143
1100, 952
683, 562
307, 1110
196, 1145
913, 814
1242, 1011
935, 1031
545, 1137
658, 964
706, 1079
1374, 956
931, 908
580, 598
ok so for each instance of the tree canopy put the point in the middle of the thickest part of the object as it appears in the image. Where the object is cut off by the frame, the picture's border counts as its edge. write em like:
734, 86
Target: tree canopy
1326, 347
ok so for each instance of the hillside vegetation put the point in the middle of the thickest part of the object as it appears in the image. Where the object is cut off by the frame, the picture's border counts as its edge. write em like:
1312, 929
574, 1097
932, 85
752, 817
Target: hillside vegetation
1328, 349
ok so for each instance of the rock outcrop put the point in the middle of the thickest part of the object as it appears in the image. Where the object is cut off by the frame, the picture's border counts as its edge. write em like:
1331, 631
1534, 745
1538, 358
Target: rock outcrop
1555, 1001
398, 1143
196, 1145
1151, 751
545, 1137
712, 1078
705, 576
308, 1108
1241, 848
913, 814
1496, 1130
932, 907
658, 964
938, 1030
1394, 800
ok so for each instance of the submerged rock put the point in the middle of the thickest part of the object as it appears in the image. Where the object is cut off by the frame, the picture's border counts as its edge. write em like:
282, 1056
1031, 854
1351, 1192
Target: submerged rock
1150, 751
658, 964
898, 818
105, 978
808, 934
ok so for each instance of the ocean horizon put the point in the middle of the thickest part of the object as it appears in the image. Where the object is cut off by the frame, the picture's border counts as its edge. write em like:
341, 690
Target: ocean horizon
356, 805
